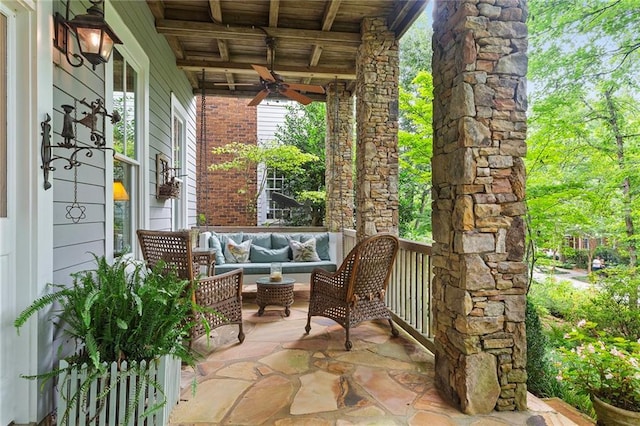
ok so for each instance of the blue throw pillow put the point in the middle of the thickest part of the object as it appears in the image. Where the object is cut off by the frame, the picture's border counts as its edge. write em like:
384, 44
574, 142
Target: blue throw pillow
265, 255
279, 240
262, 239
214, 243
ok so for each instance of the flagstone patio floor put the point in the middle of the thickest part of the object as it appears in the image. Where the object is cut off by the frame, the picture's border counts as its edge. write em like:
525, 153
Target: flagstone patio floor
281, 376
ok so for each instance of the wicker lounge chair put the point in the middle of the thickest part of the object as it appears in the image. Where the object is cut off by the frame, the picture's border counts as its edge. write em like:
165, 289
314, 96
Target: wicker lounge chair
220, 294
355, 292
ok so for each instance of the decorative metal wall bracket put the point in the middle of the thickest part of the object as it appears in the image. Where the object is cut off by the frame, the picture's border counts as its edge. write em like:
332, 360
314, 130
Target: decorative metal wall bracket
167, 183
69, 137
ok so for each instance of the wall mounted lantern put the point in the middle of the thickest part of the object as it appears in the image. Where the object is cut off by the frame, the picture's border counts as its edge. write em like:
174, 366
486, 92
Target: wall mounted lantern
95, 37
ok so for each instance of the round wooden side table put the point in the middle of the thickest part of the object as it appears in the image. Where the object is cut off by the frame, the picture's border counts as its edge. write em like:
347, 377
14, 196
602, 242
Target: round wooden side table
274, 293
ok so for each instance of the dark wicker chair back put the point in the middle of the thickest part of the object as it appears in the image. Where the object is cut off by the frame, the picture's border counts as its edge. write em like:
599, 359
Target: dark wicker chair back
356, 291
220, 295
172, 247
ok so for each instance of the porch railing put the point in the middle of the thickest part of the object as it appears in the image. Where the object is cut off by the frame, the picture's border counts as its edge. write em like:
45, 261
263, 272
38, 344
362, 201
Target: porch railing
409, 293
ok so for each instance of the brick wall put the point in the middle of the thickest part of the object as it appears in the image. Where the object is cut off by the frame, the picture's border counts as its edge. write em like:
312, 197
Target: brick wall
221, 194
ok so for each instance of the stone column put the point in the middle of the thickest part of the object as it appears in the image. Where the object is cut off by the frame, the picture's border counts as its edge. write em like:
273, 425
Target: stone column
479, 69
377, 71
339, 158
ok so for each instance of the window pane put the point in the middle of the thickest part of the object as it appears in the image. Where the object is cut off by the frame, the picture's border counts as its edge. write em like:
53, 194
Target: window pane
124, 101
130, 111
122, 231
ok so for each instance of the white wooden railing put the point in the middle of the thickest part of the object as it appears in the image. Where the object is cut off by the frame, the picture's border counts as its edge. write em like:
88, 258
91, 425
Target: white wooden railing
103, 401
409, 293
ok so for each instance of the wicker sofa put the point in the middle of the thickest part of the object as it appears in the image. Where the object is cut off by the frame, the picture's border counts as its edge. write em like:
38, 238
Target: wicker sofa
253, 250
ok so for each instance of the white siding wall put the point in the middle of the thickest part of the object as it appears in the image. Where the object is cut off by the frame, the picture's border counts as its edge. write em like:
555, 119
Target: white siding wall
165, 78
73, 243
270, 115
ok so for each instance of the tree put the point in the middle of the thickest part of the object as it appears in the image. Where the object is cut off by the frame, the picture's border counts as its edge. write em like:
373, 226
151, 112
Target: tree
416, 150
415, 137
246, 158
304, 127
584, 126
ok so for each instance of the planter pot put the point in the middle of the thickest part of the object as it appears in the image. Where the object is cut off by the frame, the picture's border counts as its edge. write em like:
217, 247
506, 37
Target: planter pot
608, 415
156, 385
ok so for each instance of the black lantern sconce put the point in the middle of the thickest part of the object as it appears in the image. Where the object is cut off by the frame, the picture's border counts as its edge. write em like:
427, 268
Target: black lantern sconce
95, 37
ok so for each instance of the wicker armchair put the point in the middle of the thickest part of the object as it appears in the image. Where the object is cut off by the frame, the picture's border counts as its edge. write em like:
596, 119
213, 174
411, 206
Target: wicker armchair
355, 292
220, 295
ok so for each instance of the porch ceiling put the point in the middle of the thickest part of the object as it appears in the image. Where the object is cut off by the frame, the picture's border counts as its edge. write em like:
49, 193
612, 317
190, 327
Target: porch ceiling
316, 40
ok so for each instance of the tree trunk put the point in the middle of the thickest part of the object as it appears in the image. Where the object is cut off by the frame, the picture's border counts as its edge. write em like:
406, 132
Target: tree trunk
626, 191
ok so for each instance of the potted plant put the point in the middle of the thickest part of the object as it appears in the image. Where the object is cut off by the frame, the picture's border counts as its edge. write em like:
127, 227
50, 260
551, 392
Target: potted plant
121, 320
607, 369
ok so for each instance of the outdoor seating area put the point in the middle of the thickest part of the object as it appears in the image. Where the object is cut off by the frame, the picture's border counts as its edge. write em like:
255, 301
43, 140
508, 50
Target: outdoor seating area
253, 249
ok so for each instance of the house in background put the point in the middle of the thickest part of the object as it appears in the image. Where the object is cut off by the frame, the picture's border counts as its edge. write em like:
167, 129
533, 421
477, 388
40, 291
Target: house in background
230, 120
142, 104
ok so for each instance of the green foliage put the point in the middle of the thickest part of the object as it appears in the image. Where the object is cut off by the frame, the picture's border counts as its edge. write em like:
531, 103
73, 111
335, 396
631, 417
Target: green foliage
115, 313
595, 363
245, 158
583, 131
558, 297
305, 128
539, 380
610, 306
416, 150
314, 211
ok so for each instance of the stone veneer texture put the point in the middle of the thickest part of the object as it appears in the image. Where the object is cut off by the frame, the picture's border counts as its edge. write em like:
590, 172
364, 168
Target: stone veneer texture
377, 69
479, 68
339, 159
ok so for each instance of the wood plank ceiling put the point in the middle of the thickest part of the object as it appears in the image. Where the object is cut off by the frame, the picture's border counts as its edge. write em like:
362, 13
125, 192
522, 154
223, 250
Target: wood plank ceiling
315, 40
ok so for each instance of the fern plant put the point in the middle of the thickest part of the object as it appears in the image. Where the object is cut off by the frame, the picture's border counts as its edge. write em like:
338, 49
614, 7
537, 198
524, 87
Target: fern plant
115, 313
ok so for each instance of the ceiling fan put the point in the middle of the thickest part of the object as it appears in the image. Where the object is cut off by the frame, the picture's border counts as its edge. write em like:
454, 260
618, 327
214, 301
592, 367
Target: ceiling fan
273, 83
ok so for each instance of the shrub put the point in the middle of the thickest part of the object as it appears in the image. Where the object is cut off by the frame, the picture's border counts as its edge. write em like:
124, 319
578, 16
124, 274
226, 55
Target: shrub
596, 364
558, 297
539, 370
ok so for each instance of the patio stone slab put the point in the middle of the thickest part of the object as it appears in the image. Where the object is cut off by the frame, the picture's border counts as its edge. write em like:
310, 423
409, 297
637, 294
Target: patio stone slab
252, 409
292, 361
430, 418
384, 389
239, 370
221, 396
319, 391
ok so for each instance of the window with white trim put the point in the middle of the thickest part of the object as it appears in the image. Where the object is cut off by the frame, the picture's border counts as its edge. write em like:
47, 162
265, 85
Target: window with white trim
126, 166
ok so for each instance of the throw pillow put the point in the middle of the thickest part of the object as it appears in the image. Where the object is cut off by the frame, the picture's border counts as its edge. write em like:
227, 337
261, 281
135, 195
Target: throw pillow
224, 239
239, 252
214, 243
304, 252
265, 255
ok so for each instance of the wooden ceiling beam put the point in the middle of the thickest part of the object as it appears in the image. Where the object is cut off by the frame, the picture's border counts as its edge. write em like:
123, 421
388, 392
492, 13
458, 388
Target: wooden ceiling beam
330, 12
216, 14
157, 8
274, 10
405, 15
175, 45
283, 70
211, 30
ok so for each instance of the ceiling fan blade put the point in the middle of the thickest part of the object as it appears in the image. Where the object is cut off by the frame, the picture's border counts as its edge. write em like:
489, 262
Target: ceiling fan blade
236, 84
259, 97
264, 72
306, 87
292, 94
